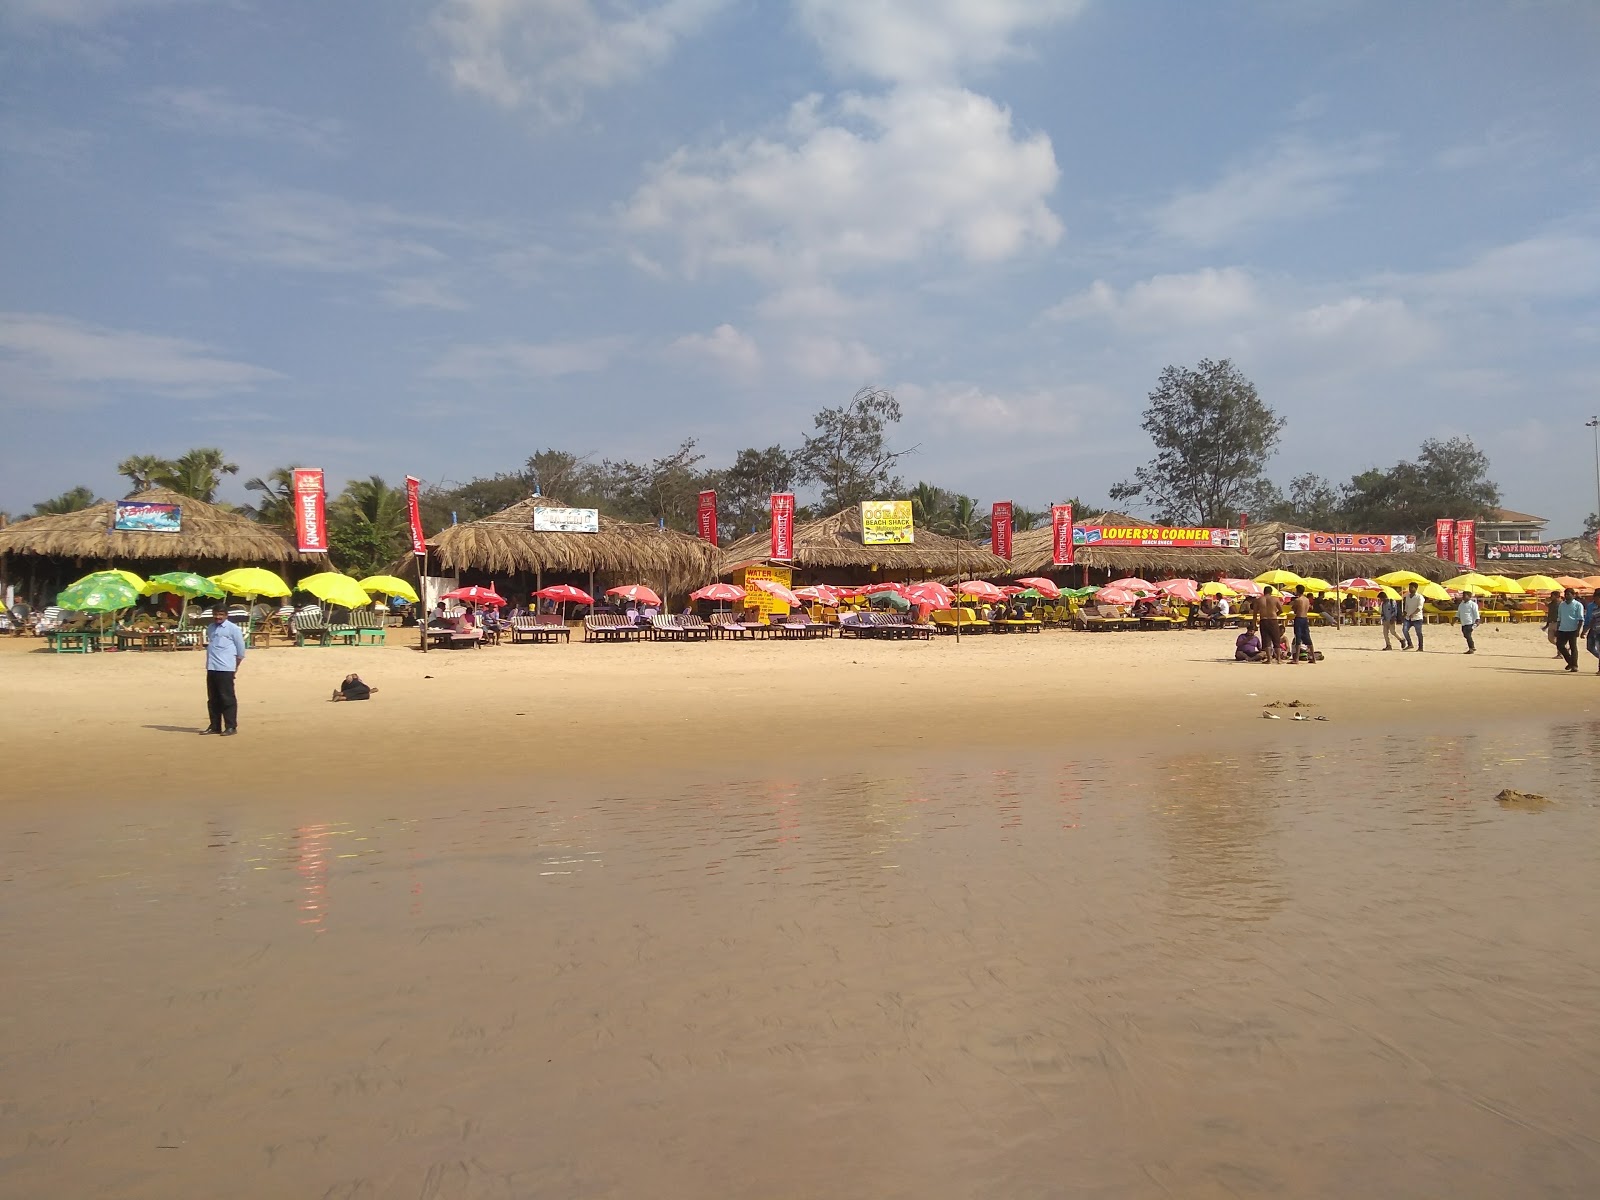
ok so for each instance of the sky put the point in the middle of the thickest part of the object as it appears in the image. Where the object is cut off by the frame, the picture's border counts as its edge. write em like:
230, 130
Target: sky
434, 236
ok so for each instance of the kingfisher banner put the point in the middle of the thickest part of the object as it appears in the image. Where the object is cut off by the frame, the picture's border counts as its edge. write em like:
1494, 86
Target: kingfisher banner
1444, 536
783, 526
1000, 529
1349, 543
419, 544
310, 508
886, 523
133, 516
708, 517
1524, 550
1061, 535
1156, 535
1467, 544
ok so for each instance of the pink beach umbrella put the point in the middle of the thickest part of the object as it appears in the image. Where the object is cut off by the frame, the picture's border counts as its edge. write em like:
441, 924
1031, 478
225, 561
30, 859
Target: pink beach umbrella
719, 593
477, 595
1045, 587
1133, 584
773, 588
636, 592
980, 589
1186, 590
1115, 595
566, 594
1245, 587
819, 593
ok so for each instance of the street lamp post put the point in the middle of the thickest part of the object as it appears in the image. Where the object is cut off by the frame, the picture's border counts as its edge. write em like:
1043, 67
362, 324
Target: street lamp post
1594, 424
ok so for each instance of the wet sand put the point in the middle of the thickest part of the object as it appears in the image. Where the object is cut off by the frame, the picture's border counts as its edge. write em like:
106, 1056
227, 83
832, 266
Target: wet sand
1171, 949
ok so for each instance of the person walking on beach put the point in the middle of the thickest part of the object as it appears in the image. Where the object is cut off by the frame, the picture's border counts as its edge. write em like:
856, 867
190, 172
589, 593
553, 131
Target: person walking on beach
1271, 617
1550, 622
224, 653
1467, 614
1389, 614
1591, 626
1411, 609
1569, 620
1301, 607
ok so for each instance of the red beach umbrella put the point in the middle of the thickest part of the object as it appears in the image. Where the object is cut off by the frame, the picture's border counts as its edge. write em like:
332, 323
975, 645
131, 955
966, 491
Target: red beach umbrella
884, 585
980, 588
929, 594
819, 593
1245, 587
1186, 590
773, 588
565, 593
1133, 584
1115, 595
1045, 587
638, 592
720, 593
478, 595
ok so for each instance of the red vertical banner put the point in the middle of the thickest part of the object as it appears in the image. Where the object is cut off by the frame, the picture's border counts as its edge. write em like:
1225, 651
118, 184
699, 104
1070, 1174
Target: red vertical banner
1000, 529
783, 526
419, 544
1244, 531
310, 504
1467, 544
1444, 533
1061, 531
708, 517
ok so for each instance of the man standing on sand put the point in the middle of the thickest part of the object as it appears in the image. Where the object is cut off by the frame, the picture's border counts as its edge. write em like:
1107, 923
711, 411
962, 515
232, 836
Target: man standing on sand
1467, 614
224, 653
1569, 620
1266, 608
1300, 606
1389, 613
1411, 609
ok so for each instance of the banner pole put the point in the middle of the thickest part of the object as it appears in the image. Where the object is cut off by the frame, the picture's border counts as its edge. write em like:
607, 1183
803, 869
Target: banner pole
422, 599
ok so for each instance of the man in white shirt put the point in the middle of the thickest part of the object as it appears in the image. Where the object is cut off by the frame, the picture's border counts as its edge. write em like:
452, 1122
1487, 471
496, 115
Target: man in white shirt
1467, 614
1411, 609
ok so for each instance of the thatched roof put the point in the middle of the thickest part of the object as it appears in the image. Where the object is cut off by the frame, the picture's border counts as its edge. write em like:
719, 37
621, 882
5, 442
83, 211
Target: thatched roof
506, 543
1266, 540
1033, 553
834, 543
1581, 549
209, 533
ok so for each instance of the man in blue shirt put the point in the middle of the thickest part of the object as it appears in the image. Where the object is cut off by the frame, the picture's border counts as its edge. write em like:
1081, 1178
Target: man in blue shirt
1591, 625
224, 653
1569, 620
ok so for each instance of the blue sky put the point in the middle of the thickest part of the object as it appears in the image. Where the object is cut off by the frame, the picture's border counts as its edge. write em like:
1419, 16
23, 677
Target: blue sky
432, 237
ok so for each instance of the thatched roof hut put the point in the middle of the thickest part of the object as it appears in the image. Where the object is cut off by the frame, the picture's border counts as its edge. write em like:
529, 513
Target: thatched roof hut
1033, 553
506, 543
1266, 542
832, 545
210, 535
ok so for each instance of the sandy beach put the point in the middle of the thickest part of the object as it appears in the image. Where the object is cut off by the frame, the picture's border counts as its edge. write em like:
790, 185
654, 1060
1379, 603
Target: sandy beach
83, 723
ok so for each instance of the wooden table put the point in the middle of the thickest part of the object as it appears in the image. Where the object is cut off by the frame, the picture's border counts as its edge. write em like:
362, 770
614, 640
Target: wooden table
73, 641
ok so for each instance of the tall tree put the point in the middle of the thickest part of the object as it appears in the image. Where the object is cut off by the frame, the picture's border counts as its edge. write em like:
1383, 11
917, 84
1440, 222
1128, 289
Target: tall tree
744, 490
848, 456
367, 525
197, 473
142, 470
1313, 501
1591, 525
72, 500
1213, 437
276, 506
1024, 519
1447, 479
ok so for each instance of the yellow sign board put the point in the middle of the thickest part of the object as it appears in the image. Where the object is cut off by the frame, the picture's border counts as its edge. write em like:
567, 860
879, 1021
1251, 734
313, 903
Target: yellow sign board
754, 598
886, 523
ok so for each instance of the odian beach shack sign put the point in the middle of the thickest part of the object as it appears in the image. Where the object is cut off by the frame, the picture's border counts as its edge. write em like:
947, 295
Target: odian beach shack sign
566, 520
131, 516
1349, 543
886, 523
1156, 535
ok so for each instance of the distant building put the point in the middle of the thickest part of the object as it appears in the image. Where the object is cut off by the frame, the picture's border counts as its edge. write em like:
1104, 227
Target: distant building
1508, 526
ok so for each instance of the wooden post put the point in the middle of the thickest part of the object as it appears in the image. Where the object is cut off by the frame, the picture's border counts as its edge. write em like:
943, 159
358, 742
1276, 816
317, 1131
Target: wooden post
422, 599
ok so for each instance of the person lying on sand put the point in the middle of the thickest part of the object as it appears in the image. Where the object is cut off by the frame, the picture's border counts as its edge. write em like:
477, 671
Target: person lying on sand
353, 689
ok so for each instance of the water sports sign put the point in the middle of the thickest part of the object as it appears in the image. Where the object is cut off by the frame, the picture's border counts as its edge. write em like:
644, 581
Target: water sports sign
886, 523
1156, 535
1349, 543
132, 516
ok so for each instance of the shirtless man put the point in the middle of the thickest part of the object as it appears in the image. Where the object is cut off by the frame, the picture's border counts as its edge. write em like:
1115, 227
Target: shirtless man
1301, 607
1267, 611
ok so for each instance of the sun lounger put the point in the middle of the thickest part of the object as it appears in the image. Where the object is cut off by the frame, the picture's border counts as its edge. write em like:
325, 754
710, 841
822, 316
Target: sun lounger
800, 625
370, 626
309, 624
727, 625
673, 628
611, 627
547, 627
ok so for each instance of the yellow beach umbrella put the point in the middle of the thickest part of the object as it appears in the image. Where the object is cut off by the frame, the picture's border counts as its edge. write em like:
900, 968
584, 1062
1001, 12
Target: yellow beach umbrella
1470, 579
1502, 586
1432, 591
334, 588
251, 581
1539, 583
1279, 578
128, 577
390, 585
1313, 584
1471, 589
1399, 579
1216, 589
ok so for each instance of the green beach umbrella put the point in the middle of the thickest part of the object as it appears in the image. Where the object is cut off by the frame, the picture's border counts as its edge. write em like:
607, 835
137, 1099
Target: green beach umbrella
183, 583
114, 575
103, 594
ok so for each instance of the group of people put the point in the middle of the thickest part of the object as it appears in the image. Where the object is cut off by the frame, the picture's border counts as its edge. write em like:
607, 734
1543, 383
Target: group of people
1566, 619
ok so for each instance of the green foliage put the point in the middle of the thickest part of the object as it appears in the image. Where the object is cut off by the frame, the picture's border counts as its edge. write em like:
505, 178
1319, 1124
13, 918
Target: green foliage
72, 500
142, 470
1447, 479
197, 473
276, 506
1591, 525
367, 525
848, 456
1213, 437
939, 510
744, 490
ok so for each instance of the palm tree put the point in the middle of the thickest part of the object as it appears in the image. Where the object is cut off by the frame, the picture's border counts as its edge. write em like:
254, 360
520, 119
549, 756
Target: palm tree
73, 500
277, 497
367, 524
197, 474
142, 470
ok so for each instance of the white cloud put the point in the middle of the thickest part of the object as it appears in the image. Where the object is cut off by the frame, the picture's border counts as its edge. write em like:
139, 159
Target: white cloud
1207, 297
1358, 333
1291, 182
725, 348
926, 41
973, 409
819, 356
76, 14
419, 292
212, 111
1548, 266
546, 55
877, 181
539, 360
53, 351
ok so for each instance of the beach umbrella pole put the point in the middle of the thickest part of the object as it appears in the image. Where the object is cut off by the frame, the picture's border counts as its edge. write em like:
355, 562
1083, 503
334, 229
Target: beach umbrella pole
422, 600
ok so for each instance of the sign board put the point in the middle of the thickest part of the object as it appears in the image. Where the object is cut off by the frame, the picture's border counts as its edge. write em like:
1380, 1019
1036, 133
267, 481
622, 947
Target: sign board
1467, 544
1156, 535
783, 526
754, 597
1444, 534
134, 517
706, 517
1061, 535
566, 520
886, 523
419, 544
1349, 543
1000, 516
1522, 550
310, 511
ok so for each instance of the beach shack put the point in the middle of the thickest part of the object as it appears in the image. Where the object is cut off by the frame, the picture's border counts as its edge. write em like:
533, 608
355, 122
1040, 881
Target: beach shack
1334, 556
1112, 545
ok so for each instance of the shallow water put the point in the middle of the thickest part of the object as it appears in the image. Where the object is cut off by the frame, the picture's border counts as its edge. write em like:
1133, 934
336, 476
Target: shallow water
1087, 972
